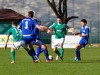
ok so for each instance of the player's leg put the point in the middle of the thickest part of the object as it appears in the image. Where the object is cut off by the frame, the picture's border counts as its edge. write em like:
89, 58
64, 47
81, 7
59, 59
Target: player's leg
32, 54
43, 49
61, 48
81, 44
46, 55
30, 41
61, 51
78, 47
16, 45
56, 51
25, 46
56, 44
35, 58
29, 50
38, 51
12, 55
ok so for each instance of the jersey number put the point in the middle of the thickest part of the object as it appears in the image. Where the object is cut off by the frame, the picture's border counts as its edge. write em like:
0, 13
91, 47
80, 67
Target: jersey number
26, 25
18, 31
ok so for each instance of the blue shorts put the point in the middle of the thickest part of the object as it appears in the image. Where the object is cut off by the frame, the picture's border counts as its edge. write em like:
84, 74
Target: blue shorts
39, 41
83, 42
29, 39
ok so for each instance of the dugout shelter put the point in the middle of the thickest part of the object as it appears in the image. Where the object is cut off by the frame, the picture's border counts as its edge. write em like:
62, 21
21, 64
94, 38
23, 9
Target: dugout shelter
6, 16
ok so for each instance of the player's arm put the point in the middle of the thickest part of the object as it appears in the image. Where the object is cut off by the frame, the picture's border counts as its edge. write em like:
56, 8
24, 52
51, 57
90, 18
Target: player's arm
51, 28
42, 28
9, 32
20, 25
7, 39
84, 34
73, 32
87, 33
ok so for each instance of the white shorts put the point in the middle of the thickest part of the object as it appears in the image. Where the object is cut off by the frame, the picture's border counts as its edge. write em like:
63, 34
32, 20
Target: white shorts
17, 45
57, 42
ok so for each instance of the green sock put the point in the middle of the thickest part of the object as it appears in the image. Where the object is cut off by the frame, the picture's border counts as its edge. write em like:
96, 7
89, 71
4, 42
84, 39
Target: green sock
13, 55
57, 52
61, 52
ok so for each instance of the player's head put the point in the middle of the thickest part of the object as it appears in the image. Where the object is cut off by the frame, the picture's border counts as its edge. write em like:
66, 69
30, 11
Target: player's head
59, 20
83, 22
31, 14
14, 23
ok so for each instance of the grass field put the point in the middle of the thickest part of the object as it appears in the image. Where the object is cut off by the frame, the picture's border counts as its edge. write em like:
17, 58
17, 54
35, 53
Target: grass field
89, 65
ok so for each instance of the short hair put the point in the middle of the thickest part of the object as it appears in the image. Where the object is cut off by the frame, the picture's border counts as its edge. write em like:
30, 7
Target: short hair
14, 22
59, 17
84, 20
31, 13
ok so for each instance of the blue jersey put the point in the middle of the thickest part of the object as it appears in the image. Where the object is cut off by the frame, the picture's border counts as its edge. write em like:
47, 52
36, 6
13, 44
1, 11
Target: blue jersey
36, 31
84, 40
28, 25
85, 30
37, 37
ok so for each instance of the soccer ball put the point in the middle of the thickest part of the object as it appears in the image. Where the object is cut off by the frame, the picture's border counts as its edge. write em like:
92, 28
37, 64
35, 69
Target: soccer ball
50, 57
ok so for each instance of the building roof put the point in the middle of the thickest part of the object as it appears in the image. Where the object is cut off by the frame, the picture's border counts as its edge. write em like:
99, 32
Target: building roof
9, 14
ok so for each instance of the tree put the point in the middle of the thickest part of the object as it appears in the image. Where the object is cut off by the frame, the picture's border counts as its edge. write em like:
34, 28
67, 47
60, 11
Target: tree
60, 10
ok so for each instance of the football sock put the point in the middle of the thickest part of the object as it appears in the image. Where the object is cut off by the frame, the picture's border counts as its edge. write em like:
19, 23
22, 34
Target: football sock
38, 51
46, 54
28, 51
33, 54
13, 55
61, 52
57, 52
78, 53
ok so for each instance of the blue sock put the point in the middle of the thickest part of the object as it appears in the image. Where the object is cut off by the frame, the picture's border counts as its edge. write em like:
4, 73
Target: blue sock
57, 52
46, 54
29, 53
38, 51
78, 53
33, 53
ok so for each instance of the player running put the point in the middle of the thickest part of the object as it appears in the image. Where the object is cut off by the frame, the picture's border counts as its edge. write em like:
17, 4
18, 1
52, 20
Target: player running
84, 33
18, 40
60, 32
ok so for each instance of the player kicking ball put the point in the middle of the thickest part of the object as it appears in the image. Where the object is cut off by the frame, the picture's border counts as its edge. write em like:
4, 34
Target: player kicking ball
84, 33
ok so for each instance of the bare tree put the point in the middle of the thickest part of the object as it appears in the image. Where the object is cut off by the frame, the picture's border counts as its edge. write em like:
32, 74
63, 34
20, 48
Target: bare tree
60, 10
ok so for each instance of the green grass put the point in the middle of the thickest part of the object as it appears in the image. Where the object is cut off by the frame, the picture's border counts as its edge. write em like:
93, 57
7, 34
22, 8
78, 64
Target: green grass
89, 65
